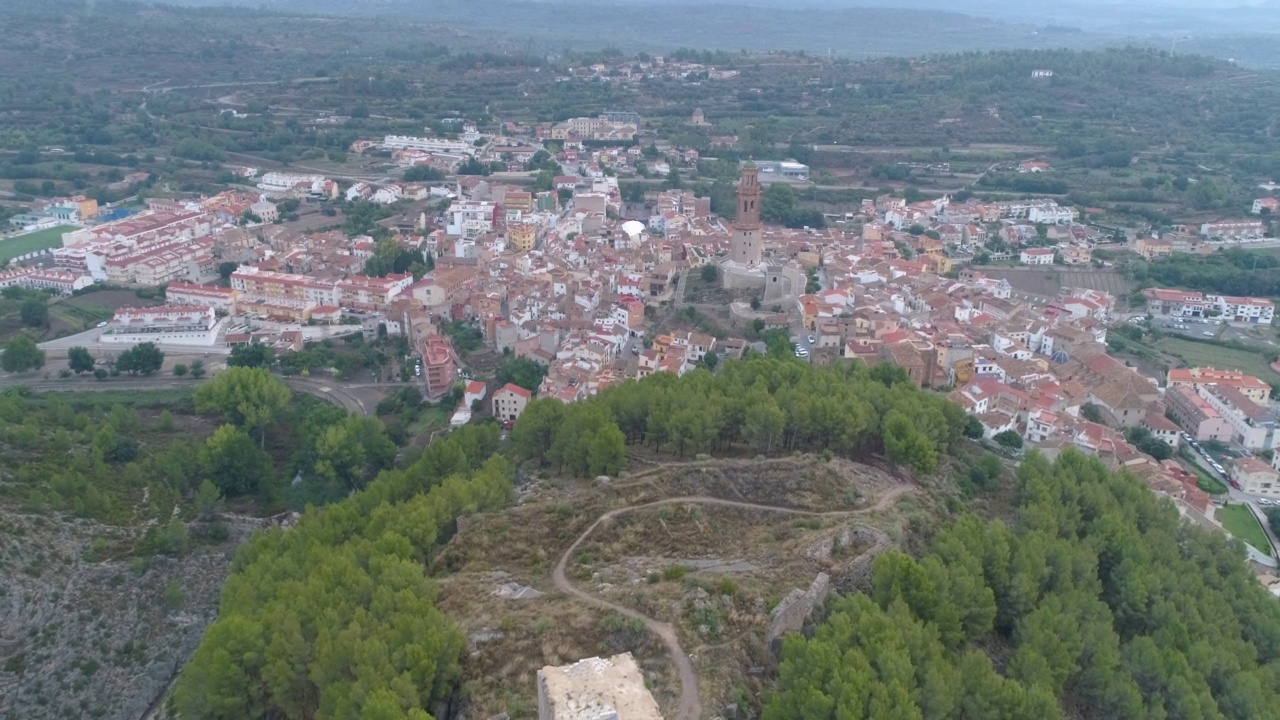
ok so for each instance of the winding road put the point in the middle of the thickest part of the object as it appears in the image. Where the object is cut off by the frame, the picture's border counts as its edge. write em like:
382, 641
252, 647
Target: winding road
690, 702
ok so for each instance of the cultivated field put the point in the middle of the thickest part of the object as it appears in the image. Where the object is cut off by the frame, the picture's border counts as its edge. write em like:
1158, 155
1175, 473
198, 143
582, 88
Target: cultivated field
1045, 281
1197, 354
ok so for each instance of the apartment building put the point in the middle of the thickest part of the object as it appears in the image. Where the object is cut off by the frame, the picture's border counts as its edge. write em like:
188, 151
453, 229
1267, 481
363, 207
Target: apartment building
157, 265
364, 293
1196, 416
1036, 256
219, 298
1207, 377
255, 283
428, 144
471, 218
1252, 425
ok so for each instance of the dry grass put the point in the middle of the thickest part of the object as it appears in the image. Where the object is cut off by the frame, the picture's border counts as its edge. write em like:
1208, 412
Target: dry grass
713, 572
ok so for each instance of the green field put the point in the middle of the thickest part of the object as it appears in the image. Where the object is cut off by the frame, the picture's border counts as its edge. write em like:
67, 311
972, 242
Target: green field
1239, 521
1198, 354
38, 240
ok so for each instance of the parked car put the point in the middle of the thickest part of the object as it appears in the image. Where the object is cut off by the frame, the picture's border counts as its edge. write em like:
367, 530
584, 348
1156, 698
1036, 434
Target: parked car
1207, 333
1264, 501
102, 324
811, 340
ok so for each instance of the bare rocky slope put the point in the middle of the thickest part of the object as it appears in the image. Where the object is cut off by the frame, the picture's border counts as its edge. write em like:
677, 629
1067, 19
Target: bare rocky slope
87, 638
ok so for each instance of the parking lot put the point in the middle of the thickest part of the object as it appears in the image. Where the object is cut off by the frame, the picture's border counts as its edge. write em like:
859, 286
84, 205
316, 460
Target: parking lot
1194, 327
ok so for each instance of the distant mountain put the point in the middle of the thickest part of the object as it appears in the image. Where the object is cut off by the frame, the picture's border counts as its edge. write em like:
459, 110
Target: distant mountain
1245, 30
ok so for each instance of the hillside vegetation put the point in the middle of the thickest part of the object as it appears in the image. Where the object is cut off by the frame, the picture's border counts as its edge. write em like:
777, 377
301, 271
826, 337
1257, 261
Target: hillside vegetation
336, 617
1098, 600
118, 514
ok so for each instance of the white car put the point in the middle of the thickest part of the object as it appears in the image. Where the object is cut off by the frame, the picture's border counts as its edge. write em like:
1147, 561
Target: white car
1263, 501
810, 339
102, 324
1207, 333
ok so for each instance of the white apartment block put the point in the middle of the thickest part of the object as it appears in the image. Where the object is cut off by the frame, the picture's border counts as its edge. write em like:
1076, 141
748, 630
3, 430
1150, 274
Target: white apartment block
1245, 310
283, 182
470, 218
167, 324
428, 144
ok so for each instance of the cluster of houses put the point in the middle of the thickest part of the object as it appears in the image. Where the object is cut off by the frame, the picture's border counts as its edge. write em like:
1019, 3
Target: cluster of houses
560, 278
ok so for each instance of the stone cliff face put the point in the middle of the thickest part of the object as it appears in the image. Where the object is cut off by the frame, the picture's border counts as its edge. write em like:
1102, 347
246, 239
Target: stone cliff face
97, 639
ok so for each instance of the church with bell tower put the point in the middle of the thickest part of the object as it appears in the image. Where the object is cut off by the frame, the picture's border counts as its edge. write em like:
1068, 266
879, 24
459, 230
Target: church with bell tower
745, 268
746, 248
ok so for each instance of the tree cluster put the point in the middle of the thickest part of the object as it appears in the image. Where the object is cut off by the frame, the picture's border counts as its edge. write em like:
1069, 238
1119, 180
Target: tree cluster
779, 203
769, 405
335, 617
21, 355
1233, 272
521, 371
1098, 600
141, 359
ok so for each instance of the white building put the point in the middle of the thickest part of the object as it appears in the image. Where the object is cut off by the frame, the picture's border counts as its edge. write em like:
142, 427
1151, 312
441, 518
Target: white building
431, 145
1244, 310
470, 218
59, 281
1233, 229
1036, 256
279, 182
167, 324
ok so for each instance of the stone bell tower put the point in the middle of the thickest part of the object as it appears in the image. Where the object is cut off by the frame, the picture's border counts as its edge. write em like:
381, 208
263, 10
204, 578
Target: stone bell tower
747, 247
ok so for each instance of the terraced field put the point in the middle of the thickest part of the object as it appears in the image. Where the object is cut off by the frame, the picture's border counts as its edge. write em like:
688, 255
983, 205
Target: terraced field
1045, 281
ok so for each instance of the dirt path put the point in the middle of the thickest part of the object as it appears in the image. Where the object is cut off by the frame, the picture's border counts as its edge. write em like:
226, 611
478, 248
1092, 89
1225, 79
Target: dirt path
690, 702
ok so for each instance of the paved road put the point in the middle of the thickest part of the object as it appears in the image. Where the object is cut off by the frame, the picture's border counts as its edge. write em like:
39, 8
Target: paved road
690, 700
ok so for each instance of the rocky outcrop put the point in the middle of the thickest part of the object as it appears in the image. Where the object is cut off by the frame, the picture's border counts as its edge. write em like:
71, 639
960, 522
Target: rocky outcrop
796, 608
82, 636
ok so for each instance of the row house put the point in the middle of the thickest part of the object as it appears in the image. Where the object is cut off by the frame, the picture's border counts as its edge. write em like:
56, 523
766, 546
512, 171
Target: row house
144, 226
167, 263
1179, 303
1233, 230
60, 281
165, 318
219, 298
364, 293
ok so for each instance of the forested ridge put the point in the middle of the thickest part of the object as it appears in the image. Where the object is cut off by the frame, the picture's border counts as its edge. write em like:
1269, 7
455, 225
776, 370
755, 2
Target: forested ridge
1096, 601
335, 618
